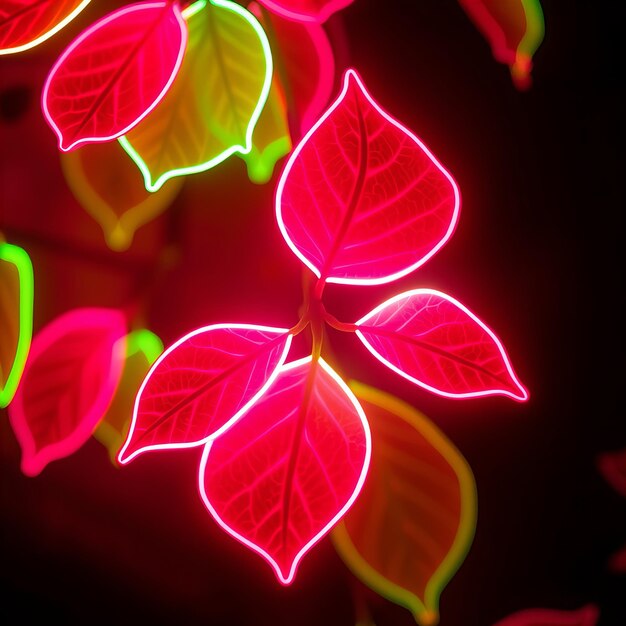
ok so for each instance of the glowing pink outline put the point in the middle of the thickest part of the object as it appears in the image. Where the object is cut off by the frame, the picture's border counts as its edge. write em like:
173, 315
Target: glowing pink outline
318, 18
87, 33
351, 74
226, 425
366, 463
33, 461
455, 396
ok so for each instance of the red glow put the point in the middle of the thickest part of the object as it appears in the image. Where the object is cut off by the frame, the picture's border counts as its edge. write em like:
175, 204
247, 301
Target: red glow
114, 73
305, 10
202, 384
361, 199
587, 616
435, 342
285, 473
71, 374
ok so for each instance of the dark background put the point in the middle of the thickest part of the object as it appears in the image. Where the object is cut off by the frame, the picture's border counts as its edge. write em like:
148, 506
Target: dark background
536, 254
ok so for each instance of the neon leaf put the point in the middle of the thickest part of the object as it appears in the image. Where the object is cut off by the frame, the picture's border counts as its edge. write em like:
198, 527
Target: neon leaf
361, 200
285, 473
414, 521
71, 374
142, 350
617, 562
613, 468
307, 68
271, 140
305, 10
25, 24
16, 317
215, 102
435, 342
586, 616
114, 73
202, 384
514, 30
108, 186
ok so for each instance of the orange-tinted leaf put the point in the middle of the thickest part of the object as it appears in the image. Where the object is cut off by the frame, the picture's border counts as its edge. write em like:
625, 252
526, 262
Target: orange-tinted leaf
586, 616
142, 350
110, 188
413, 523
271, 139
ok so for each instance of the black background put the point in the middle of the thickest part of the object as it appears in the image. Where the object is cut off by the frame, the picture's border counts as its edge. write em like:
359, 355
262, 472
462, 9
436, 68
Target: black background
536, 254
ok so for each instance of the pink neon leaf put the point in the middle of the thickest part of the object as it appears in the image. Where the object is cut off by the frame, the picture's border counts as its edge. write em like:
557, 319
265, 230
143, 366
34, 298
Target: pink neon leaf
285, 473
361, 199
307, 71
202, 384
435, 342
114, 73
71, 374
305, 10
585, 616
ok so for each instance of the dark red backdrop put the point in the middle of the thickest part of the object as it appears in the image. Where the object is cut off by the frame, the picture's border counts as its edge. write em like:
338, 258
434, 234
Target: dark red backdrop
536, 255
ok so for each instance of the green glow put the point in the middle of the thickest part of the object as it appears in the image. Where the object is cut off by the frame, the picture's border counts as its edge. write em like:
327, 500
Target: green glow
261, 164
535, 27
245, 149
21, 260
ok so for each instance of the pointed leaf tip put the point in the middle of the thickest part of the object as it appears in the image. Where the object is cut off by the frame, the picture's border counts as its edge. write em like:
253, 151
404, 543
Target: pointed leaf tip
362, 200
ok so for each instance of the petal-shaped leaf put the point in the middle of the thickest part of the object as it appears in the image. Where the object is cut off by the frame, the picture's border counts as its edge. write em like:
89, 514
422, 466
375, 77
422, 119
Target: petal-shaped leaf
361, 199
305, 10
410, 529
71, 374
202, 384
613, 468
586, 616
435, 342
514, 30
306, 67
25, 24
114, 73
215, 102
285, 473
109, 187
142, 350
271, 139
16, 317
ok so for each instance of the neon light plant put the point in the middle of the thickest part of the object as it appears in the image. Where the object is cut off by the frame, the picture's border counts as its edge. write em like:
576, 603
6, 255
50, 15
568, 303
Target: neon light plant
361, 201
25, 24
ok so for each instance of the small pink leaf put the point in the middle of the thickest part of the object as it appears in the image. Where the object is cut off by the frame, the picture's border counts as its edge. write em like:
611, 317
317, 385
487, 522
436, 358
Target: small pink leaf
114, 73
285, 473
71, 374
362, 200
305, 10
202, 384
437, 343
586, 616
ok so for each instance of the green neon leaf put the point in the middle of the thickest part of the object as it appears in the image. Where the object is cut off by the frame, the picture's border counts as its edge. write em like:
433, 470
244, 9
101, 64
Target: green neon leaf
215, 101
16, 317
271, 139
142, 350
413, 523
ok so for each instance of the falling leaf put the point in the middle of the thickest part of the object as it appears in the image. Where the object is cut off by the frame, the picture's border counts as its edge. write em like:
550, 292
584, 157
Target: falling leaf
70, 377
613, 468
285, 473
412, 525
305, 65
114, 73
25, 24
587, 616
361, 199
617, 562
215, 102
435, 342
108, 186
305, 10
271, 140
142, 350
514, 30
16, 317
202, 384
